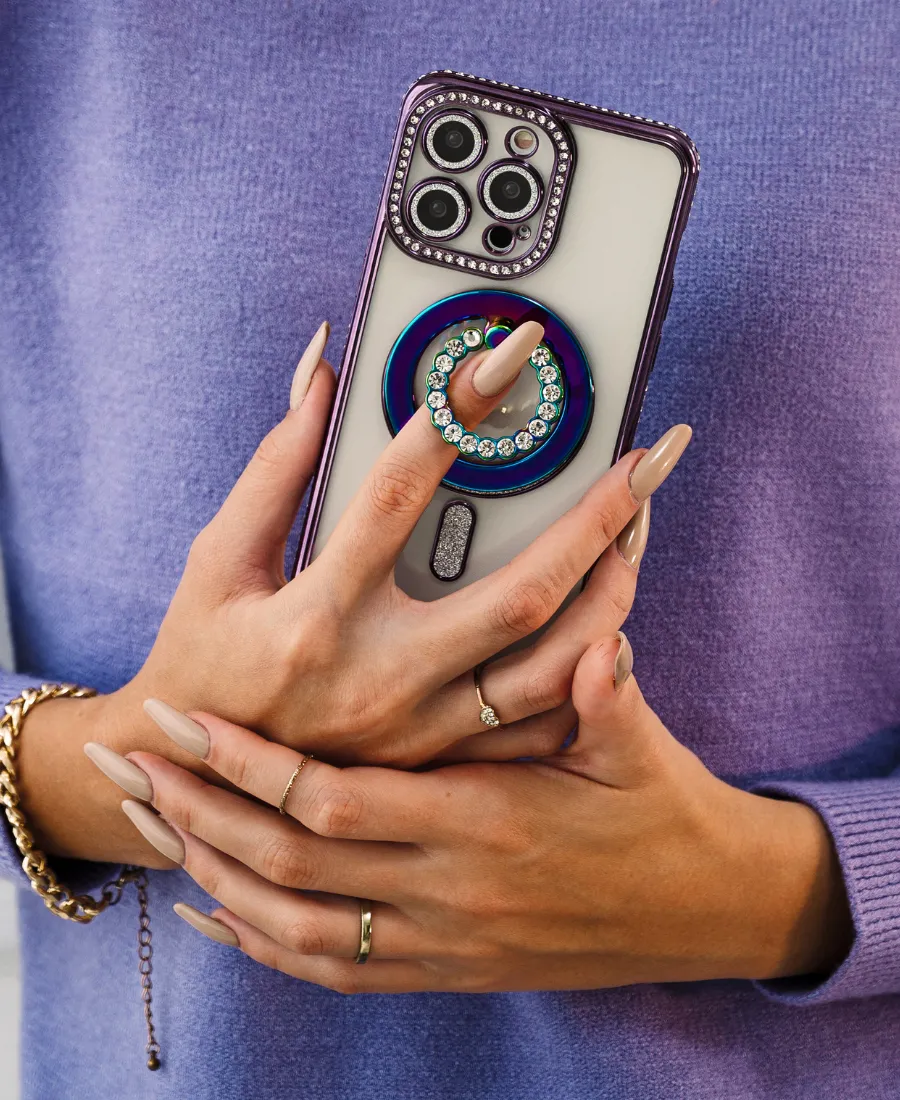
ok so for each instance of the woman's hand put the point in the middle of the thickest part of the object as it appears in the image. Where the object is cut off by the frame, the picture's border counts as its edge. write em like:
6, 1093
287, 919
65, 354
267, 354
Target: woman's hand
621, 861
339, 660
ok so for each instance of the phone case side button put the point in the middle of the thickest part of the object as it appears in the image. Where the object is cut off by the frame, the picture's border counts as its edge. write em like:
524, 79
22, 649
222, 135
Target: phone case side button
665, 313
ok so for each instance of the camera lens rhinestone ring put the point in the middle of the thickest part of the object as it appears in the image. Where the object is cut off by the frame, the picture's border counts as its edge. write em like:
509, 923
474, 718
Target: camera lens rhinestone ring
454, 141
511, 191
439, 209
472, 446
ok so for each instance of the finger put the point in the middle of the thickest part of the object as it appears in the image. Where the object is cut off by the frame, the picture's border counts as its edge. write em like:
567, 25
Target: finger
547, 972
309, 924
380, 518
514, 601
341, 975
376, 804
256, 517
620, 739
272, 845
539, 679
534, 737
605, 601
519, 598
345, 976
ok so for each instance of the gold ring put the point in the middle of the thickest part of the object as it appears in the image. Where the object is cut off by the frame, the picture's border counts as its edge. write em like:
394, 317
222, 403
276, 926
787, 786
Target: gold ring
365, 931
486, 713
290, 783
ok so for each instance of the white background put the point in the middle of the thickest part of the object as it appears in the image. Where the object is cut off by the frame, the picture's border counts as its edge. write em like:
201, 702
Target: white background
9, 955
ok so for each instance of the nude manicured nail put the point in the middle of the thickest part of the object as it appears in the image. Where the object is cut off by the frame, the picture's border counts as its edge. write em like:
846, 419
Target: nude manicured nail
121, 771
209, 926
502, 365
632, 540
162, 836
306, 368
659, 461
624, 661
184, 731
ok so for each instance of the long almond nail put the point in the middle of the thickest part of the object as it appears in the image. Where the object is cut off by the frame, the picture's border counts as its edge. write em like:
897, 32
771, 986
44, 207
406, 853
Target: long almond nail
624, 661
632, 540
659, 461
306, 368
121, 771
163, 838
184, 731
209, 926
504, 363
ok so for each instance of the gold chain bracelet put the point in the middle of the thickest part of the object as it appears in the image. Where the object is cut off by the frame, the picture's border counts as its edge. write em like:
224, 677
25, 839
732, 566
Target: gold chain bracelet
81, 908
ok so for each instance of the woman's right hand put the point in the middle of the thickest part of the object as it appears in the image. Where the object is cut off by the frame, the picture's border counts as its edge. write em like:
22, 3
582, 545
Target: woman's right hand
339, 661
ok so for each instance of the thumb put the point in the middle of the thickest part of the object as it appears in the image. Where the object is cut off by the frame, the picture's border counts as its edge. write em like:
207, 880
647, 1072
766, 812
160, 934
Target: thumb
255, 520
620, 741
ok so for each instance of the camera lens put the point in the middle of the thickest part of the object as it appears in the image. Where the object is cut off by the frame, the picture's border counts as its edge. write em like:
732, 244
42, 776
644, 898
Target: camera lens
438, 209
455, 141
511, 191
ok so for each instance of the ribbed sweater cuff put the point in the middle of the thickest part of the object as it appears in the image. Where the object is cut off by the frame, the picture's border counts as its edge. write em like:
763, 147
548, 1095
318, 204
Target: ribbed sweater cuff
863, 817
77, 875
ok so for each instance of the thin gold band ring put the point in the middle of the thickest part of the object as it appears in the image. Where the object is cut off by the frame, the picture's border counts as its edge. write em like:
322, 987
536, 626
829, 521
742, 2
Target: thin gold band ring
290, 783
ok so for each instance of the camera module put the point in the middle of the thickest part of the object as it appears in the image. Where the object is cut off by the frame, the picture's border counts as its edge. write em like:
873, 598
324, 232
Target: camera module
455, 141
511, 191
439, 209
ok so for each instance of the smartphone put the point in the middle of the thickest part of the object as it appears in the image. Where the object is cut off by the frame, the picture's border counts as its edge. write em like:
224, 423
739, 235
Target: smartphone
500, 205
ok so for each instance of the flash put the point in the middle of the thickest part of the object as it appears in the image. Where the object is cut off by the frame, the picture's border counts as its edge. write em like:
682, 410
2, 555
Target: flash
522, 142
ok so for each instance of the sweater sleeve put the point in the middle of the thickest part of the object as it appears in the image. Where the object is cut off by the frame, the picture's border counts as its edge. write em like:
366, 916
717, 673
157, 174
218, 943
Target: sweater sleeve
863, 817
11, 685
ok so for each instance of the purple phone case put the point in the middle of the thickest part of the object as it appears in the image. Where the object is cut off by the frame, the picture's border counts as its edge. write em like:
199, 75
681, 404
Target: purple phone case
567, 110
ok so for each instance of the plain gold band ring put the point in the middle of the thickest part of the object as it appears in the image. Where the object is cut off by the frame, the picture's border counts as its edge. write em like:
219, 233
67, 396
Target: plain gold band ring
365, 931
486, 712
290, 783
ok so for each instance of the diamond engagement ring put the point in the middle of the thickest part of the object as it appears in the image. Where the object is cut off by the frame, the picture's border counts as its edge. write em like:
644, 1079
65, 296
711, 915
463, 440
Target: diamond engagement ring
486, 714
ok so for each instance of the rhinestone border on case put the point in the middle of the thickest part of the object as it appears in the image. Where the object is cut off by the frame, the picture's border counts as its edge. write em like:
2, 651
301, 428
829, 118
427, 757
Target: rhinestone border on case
432, 103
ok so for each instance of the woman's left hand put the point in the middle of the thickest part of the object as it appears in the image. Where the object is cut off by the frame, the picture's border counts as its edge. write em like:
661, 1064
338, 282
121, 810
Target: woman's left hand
621, 860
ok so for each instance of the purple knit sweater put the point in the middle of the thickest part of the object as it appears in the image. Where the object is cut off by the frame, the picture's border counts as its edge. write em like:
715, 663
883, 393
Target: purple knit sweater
187, 191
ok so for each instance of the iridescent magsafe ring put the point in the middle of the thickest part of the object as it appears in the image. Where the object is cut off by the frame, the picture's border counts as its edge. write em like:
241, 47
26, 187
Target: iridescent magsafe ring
533, 452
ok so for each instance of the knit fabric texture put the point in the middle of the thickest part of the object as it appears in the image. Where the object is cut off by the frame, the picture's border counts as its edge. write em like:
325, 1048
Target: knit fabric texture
187, 191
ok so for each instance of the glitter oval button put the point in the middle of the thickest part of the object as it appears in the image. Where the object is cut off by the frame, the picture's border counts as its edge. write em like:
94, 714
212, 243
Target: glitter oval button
452, 541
